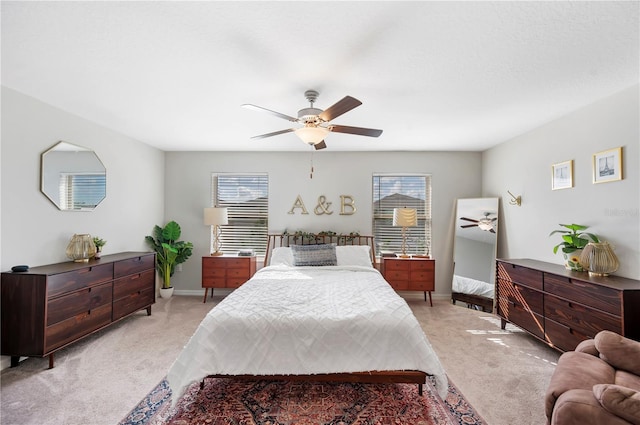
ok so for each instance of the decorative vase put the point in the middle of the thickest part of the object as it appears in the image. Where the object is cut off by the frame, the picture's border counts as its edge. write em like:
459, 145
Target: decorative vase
166, 292
97, 255
81, 248
572, 260
599, 259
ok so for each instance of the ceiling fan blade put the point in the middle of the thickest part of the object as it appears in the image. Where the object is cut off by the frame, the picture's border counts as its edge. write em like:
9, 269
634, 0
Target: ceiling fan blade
469, 225
320, 145
469, 219
277, 114
356, 130
492, 231
342, 106
275, 133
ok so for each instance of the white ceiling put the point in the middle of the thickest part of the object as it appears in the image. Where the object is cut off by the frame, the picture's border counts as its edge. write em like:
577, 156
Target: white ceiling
432, 75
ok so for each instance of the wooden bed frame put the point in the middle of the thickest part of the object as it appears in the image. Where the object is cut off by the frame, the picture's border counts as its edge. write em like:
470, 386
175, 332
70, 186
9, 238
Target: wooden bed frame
484, 302
372, 377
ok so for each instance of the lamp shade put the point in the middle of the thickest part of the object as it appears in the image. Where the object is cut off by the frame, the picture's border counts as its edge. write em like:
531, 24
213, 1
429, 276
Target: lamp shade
215, 216
312, 135
405, 217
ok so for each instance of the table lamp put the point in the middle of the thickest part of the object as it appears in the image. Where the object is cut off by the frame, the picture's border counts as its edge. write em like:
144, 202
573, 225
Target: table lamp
405, 217
216, 217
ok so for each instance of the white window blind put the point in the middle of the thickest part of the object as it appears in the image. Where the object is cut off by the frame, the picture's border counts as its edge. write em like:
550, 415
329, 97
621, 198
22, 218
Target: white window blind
402, 191
246, 197
81, 191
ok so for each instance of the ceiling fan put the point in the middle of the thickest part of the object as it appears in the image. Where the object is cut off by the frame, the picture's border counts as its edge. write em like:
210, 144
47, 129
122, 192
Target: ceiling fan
485, 223
315, 121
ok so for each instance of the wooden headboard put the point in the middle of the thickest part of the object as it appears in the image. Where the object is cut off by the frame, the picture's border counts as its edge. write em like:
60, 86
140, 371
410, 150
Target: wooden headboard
302, 238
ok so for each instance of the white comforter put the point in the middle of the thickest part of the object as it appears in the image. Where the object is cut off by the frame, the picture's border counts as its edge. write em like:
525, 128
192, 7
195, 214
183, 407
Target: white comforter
466, 285
307, 320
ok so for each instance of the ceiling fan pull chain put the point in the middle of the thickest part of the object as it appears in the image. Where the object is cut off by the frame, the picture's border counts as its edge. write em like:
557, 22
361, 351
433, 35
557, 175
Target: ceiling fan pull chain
311, 173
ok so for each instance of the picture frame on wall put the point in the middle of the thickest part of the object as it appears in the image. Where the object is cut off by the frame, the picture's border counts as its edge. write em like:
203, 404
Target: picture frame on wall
607, 166
562, 175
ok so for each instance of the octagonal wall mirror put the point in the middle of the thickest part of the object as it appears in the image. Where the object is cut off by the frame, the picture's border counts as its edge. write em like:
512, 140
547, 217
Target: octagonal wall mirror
73, 177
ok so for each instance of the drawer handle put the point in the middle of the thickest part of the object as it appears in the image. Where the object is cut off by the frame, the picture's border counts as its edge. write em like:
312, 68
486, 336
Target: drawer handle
135, 277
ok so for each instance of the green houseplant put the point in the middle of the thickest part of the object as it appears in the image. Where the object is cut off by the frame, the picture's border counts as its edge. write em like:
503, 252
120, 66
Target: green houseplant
169, 250
99, 243
574, 239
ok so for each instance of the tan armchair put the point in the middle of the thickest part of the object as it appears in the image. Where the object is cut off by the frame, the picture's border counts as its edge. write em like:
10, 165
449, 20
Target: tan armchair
598, 383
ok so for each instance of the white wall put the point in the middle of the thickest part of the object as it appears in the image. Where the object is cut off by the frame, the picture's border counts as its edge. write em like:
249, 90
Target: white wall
34, 231
523, 166
188, 191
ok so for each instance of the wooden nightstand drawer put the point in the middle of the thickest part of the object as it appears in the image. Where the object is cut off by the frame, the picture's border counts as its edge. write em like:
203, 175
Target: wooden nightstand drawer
419, 265
396, 275
208, 272
396, 265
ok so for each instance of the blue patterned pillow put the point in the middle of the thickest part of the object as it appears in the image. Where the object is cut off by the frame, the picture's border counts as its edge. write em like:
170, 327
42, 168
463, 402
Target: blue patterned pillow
314, 255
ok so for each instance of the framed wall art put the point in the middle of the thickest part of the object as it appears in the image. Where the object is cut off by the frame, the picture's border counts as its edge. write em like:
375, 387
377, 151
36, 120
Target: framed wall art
562, 175
607, 166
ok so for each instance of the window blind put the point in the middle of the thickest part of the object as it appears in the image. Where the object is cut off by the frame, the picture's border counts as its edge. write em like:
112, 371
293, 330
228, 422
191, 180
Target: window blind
402, 191
246, 197
81, 191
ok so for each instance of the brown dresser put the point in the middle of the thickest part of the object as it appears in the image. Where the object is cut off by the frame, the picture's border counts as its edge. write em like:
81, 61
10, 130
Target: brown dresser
226, 272
563, 308
410, 274
49, 307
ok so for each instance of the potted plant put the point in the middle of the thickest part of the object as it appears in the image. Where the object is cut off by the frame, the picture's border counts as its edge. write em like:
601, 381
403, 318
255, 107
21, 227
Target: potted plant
169, 253
574, 239
99, 243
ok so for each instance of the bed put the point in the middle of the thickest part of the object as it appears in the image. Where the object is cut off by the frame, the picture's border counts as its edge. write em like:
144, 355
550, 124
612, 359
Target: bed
309, 314
473, 292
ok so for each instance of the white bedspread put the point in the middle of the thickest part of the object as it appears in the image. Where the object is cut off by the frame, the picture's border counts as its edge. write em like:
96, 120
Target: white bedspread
307, 320
466, 285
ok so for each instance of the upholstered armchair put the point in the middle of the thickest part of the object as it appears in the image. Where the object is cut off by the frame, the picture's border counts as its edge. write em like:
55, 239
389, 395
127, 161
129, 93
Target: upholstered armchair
598, 383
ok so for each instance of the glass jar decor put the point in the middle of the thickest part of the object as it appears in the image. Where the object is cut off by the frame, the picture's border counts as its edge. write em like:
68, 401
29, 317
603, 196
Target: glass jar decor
599, 259
81, 248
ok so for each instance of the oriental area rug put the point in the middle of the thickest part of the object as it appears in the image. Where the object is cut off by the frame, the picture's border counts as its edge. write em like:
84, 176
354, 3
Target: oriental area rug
240, 402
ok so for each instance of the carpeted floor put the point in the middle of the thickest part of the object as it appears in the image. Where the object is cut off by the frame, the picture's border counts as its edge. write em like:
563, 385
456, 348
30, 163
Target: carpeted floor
97, 381
224, 401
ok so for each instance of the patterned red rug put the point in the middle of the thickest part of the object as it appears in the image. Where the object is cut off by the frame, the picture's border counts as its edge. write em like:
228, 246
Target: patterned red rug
230, 401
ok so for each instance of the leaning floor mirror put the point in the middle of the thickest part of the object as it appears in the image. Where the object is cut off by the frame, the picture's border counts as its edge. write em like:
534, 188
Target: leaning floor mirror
474, 252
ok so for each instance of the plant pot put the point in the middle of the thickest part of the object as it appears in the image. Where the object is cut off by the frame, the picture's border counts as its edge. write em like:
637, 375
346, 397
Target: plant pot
572, 261
166, 292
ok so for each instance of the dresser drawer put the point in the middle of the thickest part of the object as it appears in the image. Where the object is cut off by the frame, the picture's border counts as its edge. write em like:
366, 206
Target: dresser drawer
235, 282
61, 283
238, 274
77, 326
213, 282
133, 302
522, 275
399, 285
395, 275
524, 318
562, 336
78, 302
133, 283
598, 296
579, 317
422, 265
133, 265
420, 285
523, 296
213, 272
396, 265
236, 263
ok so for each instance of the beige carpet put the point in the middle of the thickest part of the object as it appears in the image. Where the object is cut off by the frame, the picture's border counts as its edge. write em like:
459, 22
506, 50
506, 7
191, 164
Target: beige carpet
100, 379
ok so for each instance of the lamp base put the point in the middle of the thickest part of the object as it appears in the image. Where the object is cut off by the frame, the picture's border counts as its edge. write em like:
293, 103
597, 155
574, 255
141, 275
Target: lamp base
403, 255
217, 253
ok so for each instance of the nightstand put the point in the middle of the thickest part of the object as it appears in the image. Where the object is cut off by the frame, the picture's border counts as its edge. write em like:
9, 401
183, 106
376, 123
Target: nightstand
226, 272
410, 274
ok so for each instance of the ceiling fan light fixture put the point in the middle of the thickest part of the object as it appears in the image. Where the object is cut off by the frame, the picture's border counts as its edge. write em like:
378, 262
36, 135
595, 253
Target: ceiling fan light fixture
485, 226
312, 135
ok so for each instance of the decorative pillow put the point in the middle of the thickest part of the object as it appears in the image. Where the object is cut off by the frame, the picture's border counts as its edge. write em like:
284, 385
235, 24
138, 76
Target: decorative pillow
314, 255
354, 255
281, 256
620, 352
621, 401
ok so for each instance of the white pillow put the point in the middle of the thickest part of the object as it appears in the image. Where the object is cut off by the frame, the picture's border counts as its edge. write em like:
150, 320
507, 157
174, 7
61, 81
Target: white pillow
281, 256
354, 255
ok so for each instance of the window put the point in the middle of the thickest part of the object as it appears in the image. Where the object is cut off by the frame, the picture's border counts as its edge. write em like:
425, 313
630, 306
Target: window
81, 191
246, 197
402, 191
